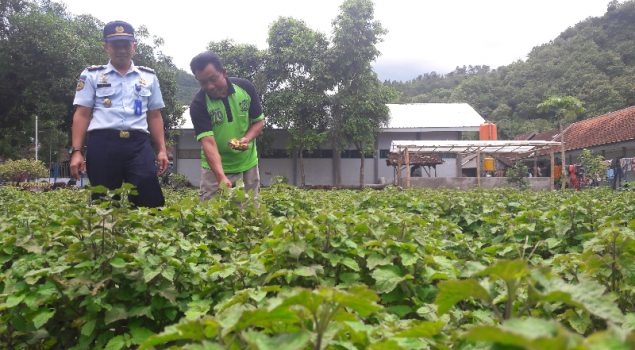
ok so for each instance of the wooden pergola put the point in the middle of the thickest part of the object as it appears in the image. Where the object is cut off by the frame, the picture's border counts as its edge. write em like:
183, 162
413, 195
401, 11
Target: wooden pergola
425, 160
522, 149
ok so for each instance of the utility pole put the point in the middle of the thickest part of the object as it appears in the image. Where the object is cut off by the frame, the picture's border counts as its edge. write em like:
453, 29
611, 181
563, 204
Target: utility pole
36, 138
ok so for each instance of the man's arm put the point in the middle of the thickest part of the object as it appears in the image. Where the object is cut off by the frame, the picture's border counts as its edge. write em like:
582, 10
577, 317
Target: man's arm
81, 119
210, 149
155, 126
254, 131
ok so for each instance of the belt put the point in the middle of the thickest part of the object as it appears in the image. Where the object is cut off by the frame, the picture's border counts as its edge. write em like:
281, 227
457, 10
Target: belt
122, 134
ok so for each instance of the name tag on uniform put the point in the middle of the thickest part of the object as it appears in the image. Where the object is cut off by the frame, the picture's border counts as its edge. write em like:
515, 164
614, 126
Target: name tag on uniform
103, 85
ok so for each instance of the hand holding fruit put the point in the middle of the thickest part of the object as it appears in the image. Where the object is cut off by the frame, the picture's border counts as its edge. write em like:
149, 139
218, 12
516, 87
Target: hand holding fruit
239, 145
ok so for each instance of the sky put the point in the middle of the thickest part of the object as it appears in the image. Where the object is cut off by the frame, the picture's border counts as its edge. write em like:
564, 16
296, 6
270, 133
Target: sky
423, 35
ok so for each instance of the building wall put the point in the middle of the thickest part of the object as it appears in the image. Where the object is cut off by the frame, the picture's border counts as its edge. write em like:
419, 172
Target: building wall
319, 169
611, 151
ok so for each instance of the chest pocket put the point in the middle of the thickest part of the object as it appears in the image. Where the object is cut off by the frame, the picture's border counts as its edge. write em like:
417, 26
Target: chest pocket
105, 91
105, 96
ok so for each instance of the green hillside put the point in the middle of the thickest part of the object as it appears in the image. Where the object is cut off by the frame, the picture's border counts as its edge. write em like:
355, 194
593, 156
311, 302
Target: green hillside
593, 61
187, 86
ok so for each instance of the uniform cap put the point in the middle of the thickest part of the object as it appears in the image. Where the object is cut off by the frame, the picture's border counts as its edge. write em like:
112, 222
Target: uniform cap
118, 30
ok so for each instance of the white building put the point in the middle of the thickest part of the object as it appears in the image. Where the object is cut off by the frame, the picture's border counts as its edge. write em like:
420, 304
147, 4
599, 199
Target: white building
418, 121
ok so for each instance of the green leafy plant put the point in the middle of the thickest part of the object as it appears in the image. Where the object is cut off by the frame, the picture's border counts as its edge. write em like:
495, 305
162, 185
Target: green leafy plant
22, 170
399, 269
517, 174
593, 165
177, 181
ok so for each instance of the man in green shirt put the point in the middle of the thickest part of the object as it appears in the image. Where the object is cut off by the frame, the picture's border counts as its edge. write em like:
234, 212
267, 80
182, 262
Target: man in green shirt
227, 116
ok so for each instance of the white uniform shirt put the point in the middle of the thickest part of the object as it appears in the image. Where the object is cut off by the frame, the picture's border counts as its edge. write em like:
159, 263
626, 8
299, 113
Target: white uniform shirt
112, 97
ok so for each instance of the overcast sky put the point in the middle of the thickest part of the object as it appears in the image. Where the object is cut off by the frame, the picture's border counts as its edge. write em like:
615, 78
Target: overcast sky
423, 35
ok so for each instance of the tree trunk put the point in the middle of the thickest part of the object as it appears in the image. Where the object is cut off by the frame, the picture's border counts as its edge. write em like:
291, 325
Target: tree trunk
337, 163
302, 179
361, 166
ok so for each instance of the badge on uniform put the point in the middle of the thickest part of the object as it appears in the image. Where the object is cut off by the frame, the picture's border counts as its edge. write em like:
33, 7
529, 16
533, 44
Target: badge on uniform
107, 102
81, 82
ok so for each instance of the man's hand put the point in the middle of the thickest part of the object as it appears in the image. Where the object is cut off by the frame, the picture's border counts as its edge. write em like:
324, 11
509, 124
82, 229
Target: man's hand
162, 162
77, 164
238, 145
224, 181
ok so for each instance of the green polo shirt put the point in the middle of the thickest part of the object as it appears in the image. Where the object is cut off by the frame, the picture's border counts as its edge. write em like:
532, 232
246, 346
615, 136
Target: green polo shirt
228, 118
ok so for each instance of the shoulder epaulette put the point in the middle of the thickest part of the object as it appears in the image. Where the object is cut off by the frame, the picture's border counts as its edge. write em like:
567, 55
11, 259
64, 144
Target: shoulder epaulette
96, 67
146, 69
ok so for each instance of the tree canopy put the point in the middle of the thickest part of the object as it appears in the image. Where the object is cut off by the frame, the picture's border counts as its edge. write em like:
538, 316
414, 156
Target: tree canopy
43, 49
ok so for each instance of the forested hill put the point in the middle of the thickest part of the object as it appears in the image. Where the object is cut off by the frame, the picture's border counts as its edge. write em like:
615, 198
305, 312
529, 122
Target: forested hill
593, 61
187, 87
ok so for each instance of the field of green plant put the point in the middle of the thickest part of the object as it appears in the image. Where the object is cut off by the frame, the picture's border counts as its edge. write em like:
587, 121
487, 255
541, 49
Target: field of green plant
390, 269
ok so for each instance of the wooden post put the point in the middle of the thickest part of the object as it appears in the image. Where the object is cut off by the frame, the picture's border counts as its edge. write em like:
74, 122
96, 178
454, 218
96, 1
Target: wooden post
394, 175
478, 168
407, 158
535, 172
398, 169
553, 165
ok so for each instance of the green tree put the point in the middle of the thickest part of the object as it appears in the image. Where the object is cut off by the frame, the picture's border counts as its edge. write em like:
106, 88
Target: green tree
566, 110
296, 96
242, 60
42, 51
37, 74
593, 165
362, 111
359, 108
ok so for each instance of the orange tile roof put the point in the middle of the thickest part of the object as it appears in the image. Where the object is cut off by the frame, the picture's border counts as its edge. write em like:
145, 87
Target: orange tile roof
608, 128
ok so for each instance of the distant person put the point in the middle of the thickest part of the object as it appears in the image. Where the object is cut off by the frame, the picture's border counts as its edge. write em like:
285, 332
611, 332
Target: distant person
119, 105
227, 117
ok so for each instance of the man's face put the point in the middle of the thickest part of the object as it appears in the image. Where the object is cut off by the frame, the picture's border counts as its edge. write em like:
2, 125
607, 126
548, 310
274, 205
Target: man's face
213, 81
120, 52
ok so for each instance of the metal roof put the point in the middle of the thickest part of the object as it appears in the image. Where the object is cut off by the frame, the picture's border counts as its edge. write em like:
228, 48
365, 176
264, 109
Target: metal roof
469, 146
433, 117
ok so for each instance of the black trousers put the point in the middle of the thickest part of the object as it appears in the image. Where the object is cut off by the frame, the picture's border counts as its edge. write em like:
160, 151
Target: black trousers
112, 160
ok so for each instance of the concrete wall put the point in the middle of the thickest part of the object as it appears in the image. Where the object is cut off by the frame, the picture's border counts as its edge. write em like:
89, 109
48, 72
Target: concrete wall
318, 171
465, 183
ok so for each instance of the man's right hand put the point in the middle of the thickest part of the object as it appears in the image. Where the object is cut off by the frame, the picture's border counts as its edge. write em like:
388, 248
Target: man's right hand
77, 164
224, 180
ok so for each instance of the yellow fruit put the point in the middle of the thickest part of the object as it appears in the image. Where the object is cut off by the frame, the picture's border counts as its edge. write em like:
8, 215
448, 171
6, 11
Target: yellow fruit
235, 144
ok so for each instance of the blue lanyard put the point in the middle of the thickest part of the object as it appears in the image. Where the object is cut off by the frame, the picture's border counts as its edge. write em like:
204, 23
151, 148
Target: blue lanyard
138, 110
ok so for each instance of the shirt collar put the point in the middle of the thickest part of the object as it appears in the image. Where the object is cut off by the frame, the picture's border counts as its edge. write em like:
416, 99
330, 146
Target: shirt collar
111, 68
230, 90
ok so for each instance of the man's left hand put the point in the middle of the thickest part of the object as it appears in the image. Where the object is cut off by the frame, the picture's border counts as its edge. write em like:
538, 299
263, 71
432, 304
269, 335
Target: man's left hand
162, 162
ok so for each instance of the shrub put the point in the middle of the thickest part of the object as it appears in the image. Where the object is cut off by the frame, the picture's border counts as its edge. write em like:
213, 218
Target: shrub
22, 169
516, 175
593, 165
177, 181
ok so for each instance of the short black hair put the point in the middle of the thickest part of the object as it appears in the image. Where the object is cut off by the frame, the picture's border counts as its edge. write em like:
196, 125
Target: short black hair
200, 61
